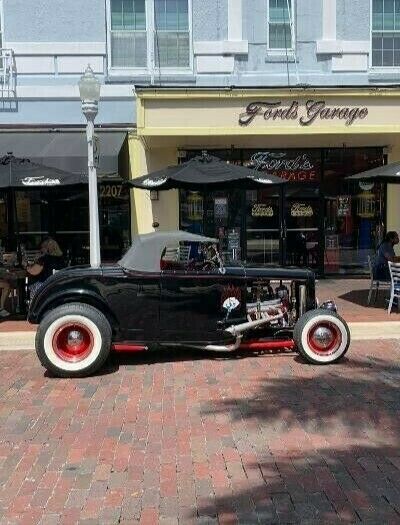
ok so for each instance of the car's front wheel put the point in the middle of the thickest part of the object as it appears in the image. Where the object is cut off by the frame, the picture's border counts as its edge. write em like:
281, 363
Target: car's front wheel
73, 340
321, 337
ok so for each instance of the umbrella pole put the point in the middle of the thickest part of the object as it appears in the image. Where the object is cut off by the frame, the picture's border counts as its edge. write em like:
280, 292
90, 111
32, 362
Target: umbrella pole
15, 225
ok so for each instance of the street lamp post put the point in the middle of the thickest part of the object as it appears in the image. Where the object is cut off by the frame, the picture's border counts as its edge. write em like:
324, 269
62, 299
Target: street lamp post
89, 89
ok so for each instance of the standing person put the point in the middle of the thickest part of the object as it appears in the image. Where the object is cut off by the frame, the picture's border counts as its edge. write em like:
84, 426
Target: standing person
385, 254
50, 260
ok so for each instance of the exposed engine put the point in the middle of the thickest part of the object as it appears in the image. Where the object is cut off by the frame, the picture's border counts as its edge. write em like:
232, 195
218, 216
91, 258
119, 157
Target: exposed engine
280, 305
267, 307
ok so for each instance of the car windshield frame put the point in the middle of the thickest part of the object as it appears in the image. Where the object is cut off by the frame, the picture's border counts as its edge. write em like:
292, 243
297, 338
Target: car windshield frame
146, 251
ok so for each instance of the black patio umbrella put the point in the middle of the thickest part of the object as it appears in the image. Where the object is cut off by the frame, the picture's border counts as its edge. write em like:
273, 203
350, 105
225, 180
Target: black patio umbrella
205, 171
390, 173
23, 173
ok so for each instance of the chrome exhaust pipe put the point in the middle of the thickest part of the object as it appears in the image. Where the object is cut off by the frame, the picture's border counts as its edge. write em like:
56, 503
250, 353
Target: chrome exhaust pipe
239, 329
225, 348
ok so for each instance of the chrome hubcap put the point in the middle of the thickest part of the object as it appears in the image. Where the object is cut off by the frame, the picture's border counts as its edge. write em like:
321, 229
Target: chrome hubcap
74, 338
323, 337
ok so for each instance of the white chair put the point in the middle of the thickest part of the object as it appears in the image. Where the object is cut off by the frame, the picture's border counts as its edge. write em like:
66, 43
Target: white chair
375, 283
171, 254
394, 269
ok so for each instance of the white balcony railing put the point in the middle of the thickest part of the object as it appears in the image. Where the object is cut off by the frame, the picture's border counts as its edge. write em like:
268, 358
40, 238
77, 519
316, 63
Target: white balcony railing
8, 74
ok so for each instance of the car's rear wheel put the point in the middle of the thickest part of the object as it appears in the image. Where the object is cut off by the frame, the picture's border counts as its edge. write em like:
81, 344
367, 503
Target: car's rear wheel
321, 337
73, 340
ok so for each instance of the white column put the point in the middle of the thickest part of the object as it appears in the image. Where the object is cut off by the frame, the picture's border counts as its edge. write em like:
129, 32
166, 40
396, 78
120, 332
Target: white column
328, 19
93, 200
235, 20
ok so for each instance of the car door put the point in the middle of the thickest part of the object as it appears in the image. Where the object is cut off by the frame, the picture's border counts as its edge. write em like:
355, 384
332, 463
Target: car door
134, 299
191, 305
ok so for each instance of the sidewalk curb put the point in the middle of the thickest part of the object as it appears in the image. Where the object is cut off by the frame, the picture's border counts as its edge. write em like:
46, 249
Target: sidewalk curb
364, 331
360, 331
14, 341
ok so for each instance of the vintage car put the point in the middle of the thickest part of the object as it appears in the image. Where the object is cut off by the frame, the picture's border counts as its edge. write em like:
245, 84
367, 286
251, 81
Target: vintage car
173, 289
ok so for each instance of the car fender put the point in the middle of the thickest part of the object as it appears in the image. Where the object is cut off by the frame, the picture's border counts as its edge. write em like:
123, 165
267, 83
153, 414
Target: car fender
75, 295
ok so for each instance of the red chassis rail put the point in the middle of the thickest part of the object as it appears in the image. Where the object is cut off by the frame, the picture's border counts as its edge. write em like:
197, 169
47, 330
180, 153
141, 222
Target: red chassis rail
248, 345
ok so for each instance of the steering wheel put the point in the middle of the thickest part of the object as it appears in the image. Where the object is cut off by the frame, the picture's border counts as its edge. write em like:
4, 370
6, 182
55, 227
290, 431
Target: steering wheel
208, 265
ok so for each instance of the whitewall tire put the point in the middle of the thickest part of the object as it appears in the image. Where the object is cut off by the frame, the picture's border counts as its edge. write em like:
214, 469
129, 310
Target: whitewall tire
321, 337
73, 340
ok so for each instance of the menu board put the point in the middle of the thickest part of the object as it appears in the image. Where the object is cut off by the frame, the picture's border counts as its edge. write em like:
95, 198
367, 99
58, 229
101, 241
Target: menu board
343, 205
233, 238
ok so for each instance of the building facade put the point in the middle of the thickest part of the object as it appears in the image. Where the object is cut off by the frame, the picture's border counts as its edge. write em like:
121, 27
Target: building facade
305, 89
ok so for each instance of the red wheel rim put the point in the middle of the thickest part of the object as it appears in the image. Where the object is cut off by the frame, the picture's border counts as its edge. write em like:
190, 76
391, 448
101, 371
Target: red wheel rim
324, 338
73, 342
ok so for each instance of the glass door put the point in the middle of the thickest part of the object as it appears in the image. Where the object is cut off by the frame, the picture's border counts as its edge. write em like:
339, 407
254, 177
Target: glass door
265, 237
303, 227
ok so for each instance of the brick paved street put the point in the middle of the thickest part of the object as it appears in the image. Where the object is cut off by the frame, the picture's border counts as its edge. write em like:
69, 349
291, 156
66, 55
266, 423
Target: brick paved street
195, 439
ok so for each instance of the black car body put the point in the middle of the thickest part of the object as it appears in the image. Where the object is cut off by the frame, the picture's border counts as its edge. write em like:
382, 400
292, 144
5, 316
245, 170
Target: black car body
160, 294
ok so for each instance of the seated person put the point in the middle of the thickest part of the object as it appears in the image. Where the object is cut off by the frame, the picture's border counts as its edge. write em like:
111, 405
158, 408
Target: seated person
5, 287
385, 254
50, 260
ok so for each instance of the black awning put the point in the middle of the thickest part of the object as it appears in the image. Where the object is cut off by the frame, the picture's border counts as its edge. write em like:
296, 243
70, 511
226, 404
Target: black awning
64, 150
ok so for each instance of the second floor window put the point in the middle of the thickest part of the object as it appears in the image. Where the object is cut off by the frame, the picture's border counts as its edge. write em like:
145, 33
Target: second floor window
143, 28
280, 19
171, 25
128, 33
385, 33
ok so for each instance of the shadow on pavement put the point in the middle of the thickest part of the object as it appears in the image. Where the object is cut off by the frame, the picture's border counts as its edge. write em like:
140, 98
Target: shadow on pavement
170, 355
321, 447
360, 298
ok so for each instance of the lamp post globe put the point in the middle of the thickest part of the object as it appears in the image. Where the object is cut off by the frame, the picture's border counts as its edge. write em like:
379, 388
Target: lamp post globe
89, 90
89, 86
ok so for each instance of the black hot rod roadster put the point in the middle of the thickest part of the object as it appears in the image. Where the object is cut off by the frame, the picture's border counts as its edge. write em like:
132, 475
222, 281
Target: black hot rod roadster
172, 289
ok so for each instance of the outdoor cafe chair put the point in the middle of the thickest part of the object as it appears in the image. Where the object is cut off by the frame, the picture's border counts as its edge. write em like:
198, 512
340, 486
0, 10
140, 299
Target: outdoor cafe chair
394, 269
375, 284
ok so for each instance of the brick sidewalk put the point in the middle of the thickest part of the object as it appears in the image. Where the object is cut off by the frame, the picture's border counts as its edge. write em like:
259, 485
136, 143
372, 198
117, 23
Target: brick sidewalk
351, 297
195, 439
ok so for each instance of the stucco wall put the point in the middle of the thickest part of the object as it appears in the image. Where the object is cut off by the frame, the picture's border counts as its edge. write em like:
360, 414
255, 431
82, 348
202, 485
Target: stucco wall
54, 20
210, 19
84, 21
60, 112
353, 19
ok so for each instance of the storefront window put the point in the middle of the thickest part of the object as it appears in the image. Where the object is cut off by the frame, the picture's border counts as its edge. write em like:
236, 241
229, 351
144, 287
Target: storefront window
354, 212
72, 229
3, 221
215, 214
63, 214
322, 222
32, 209
115, 215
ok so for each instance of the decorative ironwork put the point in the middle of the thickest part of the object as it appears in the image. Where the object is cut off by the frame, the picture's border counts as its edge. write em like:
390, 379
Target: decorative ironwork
8, 74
